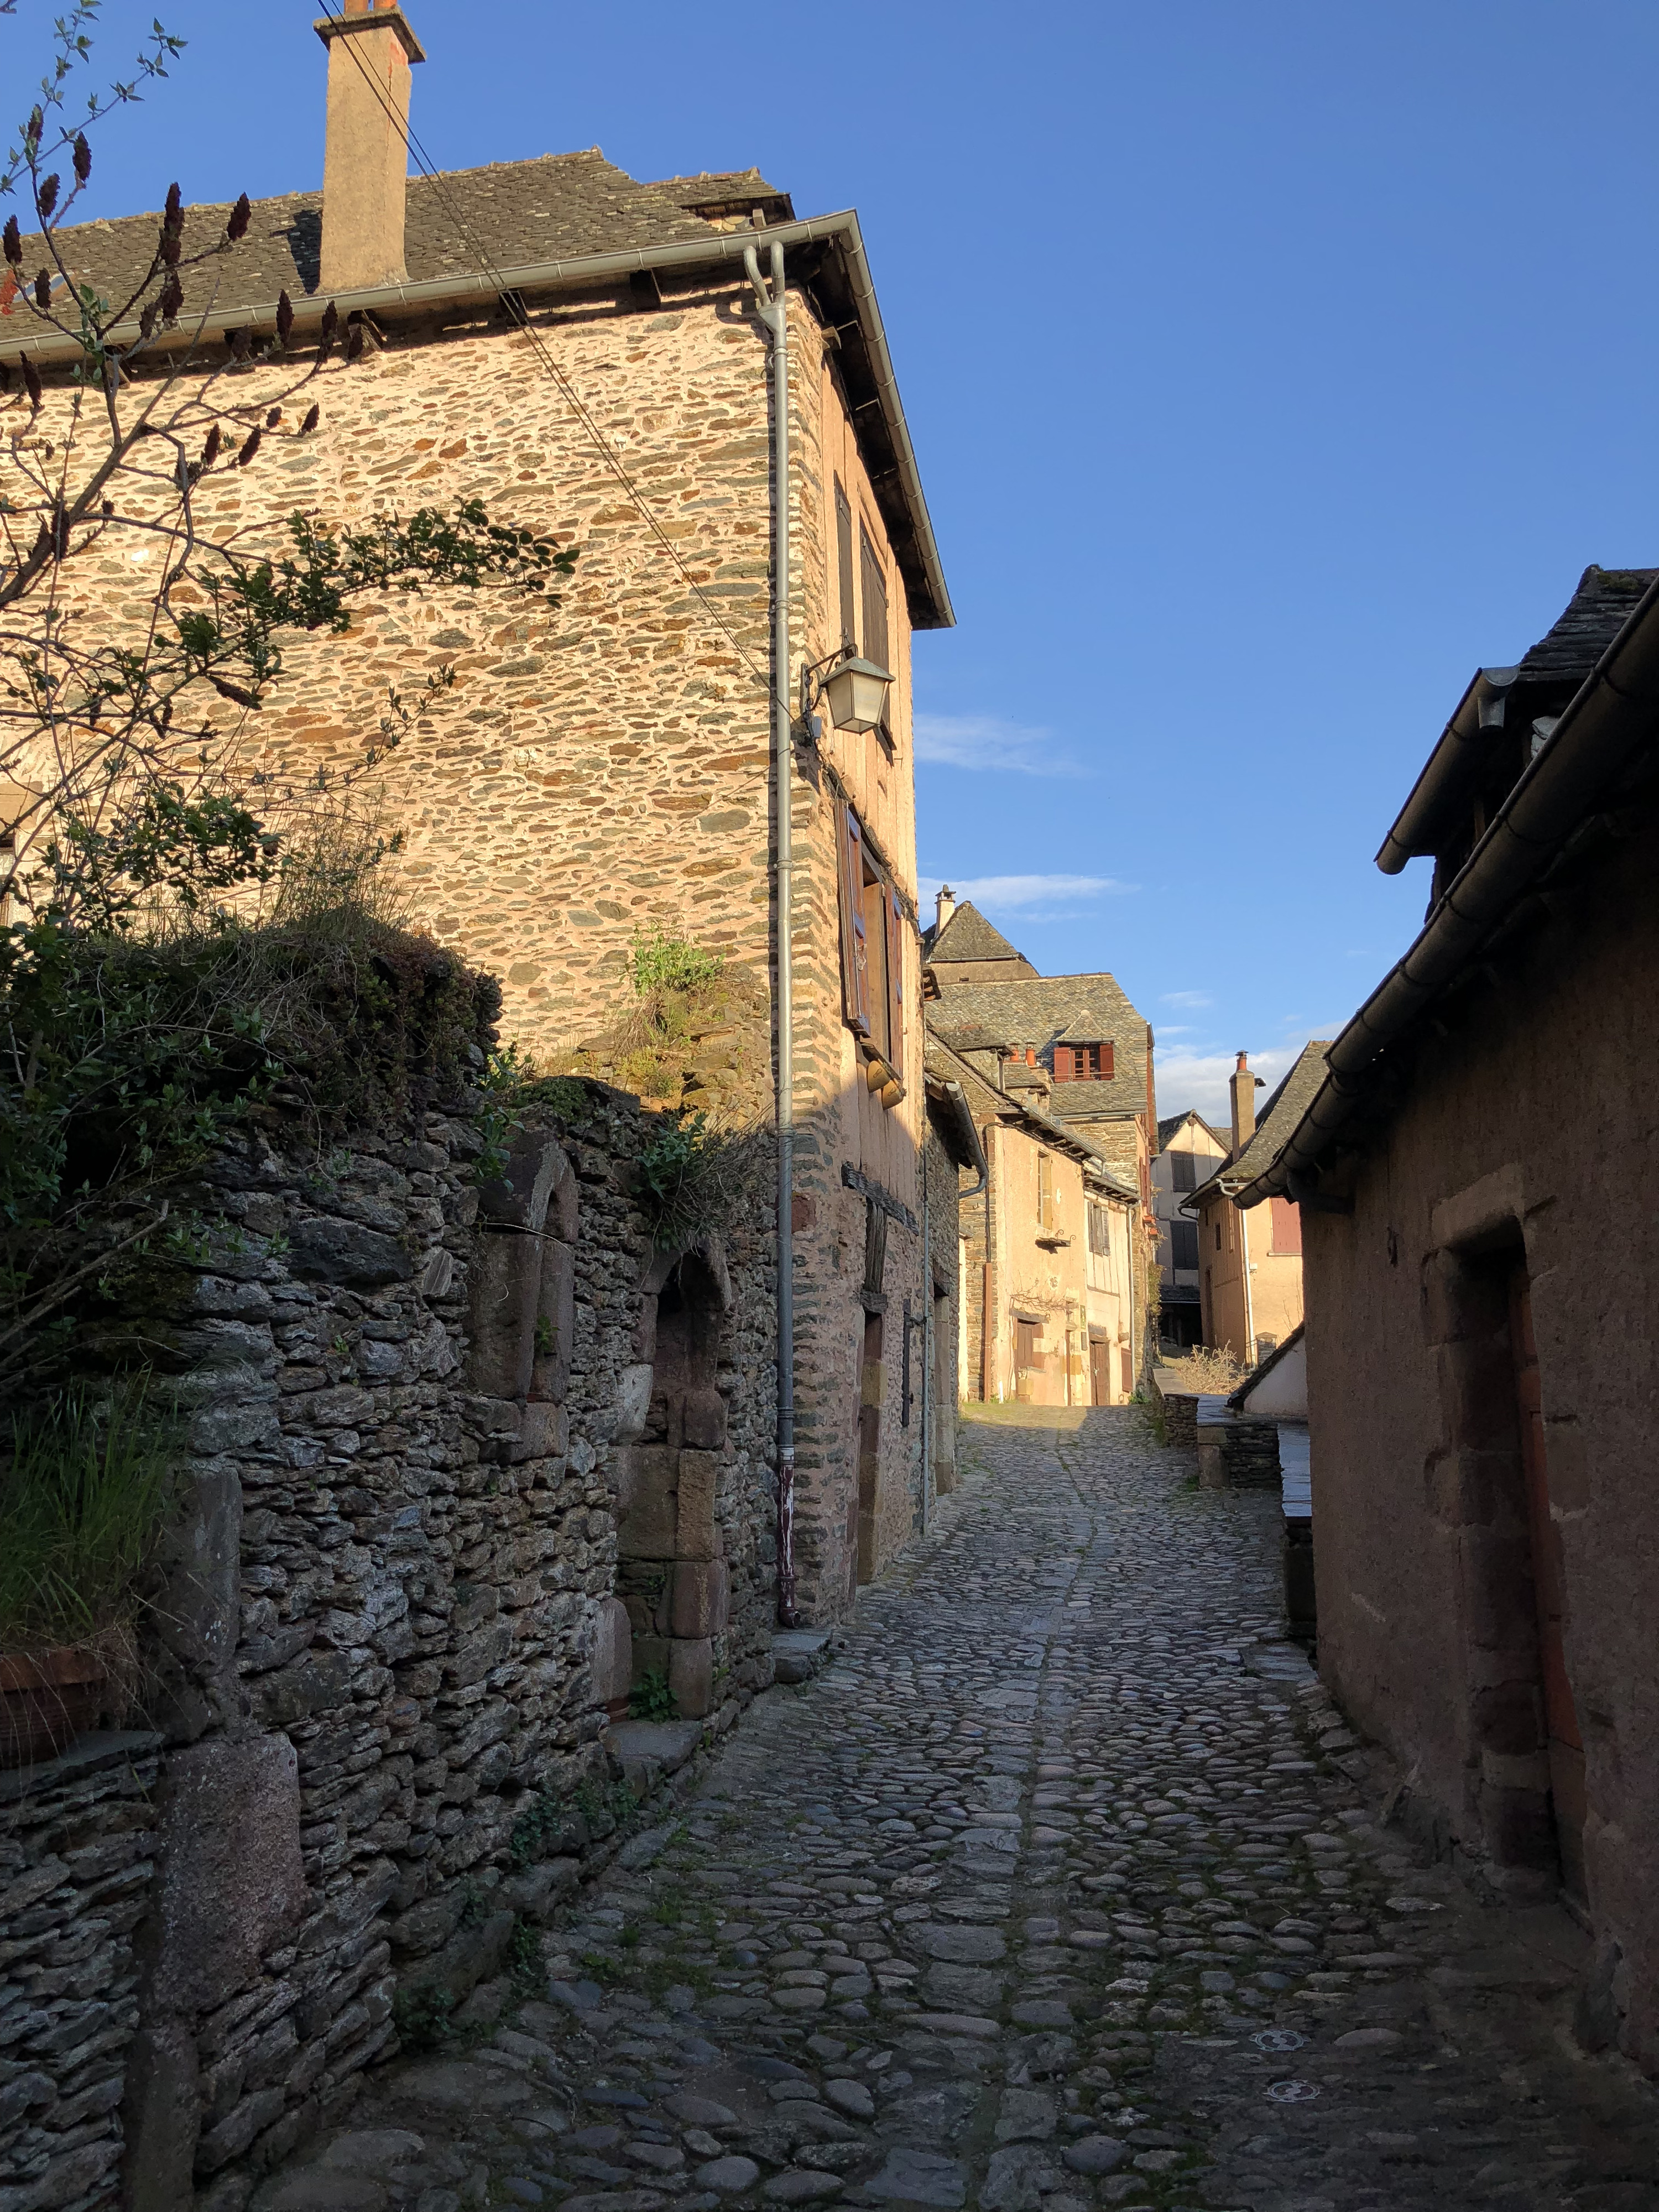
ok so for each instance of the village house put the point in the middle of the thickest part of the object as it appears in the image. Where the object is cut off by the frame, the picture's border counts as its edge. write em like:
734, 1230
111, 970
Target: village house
1058, 1073
1188, 1151
1480, 1376
1049, 1238
1250, 1273
601, 359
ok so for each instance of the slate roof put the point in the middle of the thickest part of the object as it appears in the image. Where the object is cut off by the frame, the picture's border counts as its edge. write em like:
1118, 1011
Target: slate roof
1598, 610
557, 207
1279, 1116
1171, 1122
1046, 1009
721, 195
969, 936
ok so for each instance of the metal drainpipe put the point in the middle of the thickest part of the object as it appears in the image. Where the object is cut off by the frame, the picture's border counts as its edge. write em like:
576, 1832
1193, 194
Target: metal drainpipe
773, 308
1249, 1300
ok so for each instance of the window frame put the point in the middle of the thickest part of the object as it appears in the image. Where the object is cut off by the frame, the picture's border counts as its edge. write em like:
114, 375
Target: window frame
872, 955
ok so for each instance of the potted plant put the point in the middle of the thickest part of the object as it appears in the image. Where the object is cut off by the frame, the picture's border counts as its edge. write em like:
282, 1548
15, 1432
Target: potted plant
83, 1497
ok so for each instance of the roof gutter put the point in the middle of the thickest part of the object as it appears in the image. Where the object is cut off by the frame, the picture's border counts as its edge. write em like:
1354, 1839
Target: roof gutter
580, 272
1608, 722
1480, 712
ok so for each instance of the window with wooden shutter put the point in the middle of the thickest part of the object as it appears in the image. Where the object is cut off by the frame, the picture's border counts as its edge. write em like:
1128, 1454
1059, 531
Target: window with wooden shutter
1025, 1342
1183, 1244
1082, 1063
1286, 1238
873, 590
854, 935
849, 634
1100, 1232
894, 1047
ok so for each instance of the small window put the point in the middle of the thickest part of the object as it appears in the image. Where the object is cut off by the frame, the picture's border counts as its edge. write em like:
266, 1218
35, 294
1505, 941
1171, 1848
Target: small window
849, 634
1045, 1191
1183, 1244
1183, 1171
1218, 1236
1100, 1232
1026, 1333
1082, 1063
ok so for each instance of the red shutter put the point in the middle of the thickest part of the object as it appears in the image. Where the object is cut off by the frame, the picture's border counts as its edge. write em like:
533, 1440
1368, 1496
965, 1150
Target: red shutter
854, 950
1104, 1062
1062, 1063
894, 979
1286, 1227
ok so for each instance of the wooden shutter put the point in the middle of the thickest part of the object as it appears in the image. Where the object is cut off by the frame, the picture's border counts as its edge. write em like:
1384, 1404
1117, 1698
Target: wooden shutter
844, 568
854, 945
1062, 1063
895, 979
1104, 1062
1183, 1244
873, 588
1286, 1238
1045, 1191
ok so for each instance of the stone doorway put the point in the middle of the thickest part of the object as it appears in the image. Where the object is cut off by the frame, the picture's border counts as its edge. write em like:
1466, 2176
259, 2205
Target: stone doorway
672, 1578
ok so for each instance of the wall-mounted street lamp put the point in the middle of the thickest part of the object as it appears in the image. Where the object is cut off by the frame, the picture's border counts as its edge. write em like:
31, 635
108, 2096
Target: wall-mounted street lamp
856, 691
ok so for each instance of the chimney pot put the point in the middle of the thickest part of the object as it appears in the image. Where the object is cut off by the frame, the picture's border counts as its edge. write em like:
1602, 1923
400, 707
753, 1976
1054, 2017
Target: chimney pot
946, 907
366, 158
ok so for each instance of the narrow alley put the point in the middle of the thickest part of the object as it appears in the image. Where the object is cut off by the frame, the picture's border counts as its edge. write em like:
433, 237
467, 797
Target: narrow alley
1049, 1893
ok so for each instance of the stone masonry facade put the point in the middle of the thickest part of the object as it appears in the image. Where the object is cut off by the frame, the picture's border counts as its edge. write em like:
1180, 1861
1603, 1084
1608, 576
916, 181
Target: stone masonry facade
427, 1404
604, 767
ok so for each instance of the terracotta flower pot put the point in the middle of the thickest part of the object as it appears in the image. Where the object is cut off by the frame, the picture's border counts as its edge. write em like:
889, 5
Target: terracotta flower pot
47, 1698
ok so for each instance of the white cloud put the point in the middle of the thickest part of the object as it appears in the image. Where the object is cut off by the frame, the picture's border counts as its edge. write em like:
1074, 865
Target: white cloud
1189, 1079
985, 741
1032, 898
1188, 998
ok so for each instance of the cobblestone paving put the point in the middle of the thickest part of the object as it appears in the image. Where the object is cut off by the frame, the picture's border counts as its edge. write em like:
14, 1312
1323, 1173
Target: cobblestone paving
1049, 1894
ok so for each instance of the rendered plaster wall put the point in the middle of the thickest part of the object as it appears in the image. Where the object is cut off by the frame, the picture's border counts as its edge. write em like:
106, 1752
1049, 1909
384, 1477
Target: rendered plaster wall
1426, 1624
390, 1636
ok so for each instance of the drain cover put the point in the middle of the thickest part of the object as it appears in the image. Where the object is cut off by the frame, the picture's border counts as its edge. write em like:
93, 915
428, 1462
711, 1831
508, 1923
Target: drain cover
1293, 2093
1279, 2039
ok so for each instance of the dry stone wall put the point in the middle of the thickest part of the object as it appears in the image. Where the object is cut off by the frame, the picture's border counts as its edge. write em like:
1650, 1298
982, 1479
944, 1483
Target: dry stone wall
418, 1383
75, 1866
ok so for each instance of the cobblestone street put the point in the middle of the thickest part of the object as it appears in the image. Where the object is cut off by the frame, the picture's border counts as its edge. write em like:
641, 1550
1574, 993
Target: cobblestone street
1048, 1893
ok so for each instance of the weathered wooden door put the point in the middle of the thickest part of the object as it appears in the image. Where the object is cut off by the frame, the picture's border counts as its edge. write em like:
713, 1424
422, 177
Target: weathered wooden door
1566, 1746
1100, 1371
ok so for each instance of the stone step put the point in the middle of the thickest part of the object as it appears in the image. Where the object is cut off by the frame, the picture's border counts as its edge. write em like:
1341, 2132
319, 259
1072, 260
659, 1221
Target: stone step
798, 1654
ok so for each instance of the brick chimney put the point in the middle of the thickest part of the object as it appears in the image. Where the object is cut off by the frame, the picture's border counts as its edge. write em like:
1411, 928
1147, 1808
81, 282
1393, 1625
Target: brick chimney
946, 907
1243, 1086
366, 161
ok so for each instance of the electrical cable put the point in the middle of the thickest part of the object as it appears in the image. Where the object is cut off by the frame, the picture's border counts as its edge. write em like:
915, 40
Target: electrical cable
613, 459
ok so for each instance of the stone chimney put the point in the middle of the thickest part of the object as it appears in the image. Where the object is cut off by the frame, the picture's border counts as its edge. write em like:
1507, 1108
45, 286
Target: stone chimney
945, 907
366, 161
1243, 1086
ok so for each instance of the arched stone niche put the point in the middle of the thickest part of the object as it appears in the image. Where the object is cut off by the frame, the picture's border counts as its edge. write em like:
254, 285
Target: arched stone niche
672, 1576
523, 1291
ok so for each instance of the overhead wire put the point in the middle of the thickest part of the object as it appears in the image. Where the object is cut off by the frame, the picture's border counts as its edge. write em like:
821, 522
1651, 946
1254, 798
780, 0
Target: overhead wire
613, 459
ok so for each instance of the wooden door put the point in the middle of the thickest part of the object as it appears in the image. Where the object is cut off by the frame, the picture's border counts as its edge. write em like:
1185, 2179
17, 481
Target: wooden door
1566, 1746
1100, 1372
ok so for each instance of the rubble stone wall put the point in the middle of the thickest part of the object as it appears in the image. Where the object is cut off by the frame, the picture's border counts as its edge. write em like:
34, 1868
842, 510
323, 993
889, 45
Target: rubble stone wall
391, 1635
75, 1866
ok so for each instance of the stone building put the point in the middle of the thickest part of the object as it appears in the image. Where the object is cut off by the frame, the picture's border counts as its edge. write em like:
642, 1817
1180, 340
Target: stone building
1073, 1049
1048, 1242
1250, 1270
1188, 1151
588, 355
1480, 1263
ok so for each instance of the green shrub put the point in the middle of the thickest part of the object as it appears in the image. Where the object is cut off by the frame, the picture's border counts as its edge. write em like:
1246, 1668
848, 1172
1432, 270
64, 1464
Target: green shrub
692, 1179
81, 1506
651, 1699
658, 963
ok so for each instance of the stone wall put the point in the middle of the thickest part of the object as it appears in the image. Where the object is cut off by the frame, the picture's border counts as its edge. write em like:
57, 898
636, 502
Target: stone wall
390, 1638
75, 1875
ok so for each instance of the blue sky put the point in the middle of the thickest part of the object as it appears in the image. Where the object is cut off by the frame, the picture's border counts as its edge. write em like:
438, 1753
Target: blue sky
1270, 368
